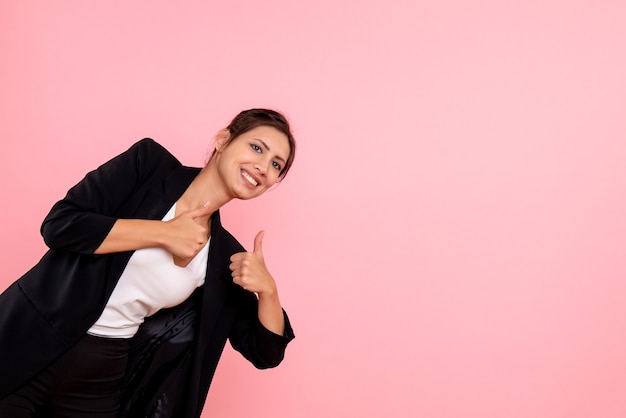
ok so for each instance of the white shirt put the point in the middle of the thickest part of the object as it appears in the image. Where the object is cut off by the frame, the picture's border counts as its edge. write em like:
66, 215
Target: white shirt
150, 281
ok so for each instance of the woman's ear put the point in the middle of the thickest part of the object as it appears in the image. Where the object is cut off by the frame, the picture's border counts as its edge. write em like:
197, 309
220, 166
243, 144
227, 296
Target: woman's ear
221, 139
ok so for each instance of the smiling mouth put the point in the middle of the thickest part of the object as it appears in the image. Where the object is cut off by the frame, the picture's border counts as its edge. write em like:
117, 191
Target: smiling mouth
249, 178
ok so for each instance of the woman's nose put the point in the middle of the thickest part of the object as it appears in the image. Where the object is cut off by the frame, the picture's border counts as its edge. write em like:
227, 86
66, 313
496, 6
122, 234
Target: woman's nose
260, 166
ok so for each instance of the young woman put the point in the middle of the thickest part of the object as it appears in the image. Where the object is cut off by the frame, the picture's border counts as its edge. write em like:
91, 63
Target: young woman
128, 312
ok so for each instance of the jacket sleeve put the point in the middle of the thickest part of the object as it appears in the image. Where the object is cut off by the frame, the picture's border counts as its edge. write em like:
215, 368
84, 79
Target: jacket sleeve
262, 347
81, 221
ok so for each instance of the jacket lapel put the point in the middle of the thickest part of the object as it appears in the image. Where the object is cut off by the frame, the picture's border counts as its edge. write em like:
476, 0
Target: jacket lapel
160, 200
217, 285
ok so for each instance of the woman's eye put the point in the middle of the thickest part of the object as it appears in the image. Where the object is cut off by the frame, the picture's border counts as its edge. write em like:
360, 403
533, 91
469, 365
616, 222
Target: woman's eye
276, 166
255, 147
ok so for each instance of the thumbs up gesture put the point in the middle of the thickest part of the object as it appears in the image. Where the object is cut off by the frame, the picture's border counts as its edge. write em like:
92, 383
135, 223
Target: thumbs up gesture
249, 270
188, 233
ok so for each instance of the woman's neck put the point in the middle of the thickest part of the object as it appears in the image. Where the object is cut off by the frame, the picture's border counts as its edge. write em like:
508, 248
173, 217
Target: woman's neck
206, 187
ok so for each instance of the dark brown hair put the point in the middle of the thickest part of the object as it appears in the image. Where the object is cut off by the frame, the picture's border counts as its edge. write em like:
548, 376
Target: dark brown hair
253, 118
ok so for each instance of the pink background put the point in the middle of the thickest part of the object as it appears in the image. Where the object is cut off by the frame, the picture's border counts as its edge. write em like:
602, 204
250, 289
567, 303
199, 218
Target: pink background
451, 241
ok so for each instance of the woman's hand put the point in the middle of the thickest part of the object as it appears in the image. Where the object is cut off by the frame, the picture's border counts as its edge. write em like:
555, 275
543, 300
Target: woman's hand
187, 234
249, 271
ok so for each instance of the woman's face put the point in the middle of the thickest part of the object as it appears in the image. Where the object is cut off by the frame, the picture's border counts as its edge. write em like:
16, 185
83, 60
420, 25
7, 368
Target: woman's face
251, 163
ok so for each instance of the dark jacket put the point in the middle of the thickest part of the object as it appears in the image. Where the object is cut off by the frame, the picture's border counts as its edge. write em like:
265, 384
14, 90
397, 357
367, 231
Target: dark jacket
175, 353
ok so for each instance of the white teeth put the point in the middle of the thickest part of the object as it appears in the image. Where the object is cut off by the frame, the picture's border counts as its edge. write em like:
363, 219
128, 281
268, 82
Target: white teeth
250, 179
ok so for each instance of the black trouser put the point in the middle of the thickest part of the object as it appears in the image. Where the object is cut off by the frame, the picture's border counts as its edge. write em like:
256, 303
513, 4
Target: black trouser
83, 382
